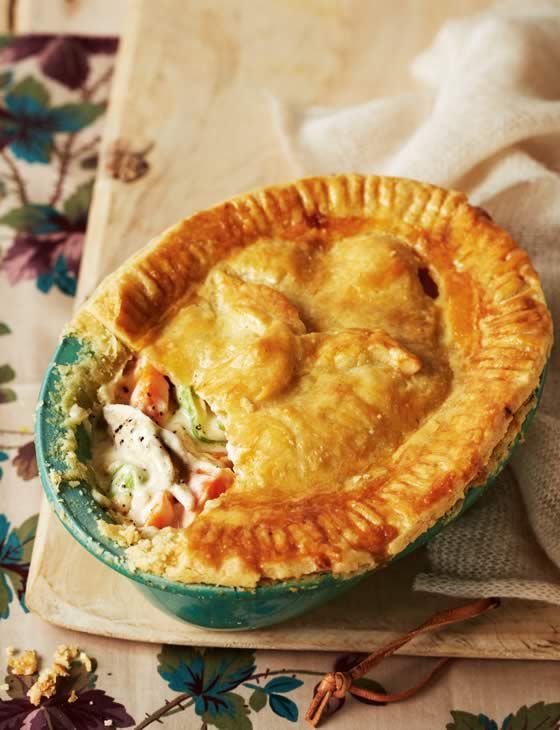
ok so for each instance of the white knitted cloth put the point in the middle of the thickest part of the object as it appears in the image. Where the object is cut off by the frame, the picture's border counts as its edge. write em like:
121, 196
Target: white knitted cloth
486, 121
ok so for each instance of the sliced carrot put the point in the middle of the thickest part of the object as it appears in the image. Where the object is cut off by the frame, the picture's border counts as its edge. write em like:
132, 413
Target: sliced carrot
151, 392
217, 486
163, 514
205, 486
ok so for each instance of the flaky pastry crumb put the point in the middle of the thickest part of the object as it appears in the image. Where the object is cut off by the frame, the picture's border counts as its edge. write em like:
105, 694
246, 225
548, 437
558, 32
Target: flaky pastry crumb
25, 663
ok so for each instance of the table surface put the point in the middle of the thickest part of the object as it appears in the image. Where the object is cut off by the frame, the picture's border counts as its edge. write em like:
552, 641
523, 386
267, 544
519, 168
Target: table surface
128, 671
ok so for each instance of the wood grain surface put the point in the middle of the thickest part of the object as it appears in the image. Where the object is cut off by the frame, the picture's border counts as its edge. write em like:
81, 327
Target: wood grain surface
69, 587
190, 109
194, 83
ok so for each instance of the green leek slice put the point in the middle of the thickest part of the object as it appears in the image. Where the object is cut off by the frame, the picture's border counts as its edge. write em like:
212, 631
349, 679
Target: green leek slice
205, 425
127, 476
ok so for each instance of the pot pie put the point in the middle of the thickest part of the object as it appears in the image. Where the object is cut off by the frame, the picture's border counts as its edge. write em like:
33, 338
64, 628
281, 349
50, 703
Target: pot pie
306, 378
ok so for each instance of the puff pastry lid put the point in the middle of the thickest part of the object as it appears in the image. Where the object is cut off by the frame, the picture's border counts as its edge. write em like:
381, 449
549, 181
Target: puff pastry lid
366, 342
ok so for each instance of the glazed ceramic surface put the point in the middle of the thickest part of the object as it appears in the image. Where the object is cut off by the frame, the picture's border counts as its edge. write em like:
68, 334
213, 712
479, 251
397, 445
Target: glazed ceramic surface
204, 605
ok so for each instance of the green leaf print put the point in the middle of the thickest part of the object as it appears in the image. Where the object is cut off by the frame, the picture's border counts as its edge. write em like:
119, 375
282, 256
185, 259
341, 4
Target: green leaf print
537, 717
7, 373
258, 700
77, 205
30, 87
73, 117
231, 714
33, 218
468, 721
26, 534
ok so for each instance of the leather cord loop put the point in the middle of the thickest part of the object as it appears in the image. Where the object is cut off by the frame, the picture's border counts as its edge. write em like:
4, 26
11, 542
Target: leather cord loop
338, 684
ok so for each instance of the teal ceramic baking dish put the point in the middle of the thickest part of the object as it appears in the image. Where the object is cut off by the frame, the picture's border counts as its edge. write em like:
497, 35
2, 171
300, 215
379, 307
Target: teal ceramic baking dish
204, 605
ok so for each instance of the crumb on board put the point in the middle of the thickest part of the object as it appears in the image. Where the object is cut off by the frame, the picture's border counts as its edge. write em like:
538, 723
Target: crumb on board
26, 663
23, 663
45, 686
63, 658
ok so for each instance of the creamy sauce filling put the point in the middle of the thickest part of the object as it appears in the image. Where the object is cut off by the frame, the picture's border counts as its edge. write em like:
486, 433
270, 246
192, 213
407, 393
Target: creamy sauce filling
158, 474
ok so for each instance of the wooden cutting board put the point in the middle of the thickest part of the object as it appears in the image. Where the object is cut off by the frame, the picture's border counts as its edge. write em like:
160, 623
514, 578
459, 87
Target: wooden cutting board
190, 118
69, 587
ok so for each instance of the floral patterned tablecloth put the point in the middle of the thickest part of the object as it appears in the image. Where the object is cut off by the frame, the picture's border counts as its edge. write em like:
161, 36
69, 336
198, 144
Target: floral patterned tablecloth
54, 92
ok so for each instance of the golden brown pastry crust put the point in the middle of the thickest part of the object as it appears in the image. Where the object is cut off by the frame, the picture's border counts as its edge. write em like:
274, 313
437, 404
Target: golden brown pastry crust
471, 359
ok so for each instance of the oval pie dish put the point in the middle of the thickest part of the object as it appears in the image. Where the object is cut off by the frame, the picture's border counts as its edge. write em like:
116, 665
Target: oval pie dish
372, 350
